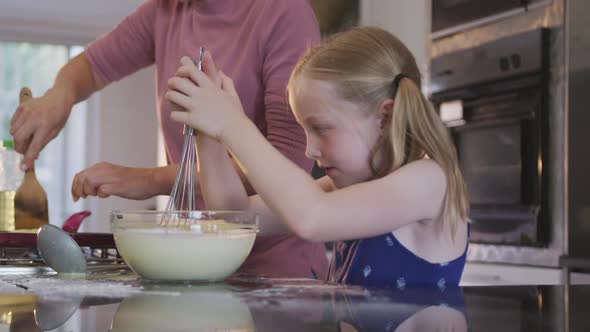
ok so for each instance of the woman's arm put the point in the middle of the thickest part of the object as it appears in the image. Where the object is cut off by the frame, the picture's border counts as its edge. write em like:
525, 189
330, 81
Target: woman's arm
37, 121
222, 188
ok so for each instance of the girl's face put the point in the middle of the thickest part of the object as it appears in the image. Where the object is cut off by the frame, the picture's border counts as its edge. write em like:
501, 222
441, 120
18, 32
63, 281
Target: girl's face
340, 136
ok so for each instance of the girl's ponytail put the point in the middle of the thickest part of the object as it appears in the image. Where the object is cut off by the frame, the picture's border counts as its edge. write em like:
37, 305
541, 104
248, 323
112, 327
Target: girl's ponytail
418, 132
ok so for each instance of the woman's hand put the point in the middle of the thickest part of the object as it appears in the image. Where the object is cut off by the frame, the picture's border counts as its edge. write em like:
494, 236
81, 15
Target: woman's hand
209, 98
106, 179
37, 121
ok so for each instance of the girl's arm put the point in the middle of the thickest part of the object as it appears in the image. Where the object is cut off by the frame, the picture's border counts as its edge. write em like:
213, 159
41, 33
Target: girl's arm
413, 193
220, 181
220, 184
222, 188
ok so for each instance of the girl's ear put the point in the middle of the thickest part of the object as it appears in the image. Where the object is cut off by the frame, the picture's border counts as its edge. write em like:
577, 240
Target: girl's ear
385, 111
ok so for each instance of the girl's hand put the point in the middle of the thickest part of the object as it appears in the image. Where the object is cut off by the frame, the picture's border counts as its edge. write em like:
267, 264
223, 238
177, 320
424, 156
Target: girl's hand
211, 102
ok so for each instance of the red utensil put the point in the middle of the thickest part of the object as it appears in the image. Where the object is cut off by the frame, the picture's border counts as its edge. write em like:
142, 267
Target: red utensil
74, 221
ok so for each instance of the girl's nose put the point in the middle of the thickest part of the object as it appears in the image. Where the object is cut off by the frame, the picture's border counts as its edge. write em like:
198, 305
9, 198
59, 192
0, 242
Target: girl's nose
311, 150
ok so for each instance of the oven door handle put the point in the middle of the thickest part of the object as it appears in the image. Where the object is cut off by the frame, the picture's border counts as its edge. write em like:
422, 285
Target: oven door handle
491, 122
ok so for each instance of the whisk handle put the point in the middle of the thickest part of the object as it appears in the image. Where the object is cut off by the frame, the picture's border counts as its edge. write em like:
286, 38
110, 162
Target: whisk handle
190, 131
186, 130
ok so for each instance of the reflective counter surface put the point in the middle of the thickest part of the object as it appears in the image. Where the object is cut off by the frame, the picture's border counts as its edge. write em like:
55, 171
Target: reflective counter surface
116, 300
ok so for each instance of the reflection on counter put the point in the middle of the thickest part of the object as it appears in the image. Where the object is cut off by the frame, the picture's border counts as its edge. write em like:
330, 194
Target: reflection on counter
202, 308
245, 307
52, 314
297, 305
17, 312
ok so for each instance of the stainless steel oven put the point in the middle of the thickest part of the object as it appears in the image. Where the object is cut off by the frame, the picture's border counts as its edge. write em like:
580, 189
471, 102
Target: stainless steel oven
452, 16
494, 99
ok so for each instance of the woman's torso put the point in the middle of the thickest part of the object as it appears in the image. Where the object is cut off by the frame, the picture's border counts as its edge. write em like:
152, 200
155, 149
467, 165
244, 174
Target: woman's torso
242, 37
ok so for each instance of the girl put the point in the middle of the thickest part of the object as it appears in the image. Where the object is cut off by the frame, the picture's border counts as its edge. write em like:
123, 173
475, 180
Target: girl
393, 200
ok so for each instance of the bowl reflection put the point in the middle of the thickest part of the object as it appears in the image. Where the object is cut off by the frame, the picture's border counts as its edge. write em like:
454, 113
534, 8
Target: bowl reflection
202, 308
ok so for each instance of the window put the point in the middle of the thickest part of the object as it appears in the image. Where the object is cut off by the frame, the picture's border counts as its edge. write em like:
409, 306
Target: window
35, 66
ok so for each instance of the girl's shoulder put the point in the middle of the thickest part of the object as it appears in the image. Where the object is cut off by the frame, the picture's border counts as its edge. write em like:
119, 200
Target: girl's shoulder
424, 165
423, 171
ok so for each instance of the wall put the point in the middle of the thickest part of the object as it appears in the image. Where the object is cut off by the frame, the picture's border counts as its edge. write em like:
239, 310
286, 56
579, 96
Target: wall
409, 20
60, 21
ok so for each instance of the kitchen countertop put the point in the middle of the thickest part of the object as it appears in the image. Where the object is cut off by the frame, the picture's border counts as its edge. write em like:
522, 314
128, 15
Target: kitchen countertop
117, 300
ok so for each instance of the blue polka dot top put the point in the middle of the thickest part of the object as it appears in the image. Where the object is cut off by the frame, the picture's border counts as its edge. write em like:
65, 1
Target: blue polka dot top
382, 261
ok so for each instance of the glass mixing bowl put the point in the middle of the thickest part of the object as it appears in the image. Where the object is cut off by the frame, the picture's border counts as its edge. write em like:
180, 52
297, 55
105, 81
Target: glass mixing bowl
184, 245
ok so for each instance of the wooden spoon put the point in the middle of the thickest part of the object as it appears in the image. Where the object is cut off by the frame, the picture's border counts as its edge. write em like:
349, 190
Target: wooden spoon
30, 200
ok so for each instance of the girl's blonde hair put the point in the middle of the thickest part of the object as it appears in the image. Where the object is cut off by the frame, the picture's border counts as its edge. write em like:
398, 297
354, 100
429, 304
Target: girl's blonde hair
362, 63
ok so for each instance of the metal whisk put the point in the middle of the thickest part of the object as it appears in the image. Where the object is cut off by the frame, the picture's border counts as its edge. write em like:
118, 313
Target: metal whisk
182, 198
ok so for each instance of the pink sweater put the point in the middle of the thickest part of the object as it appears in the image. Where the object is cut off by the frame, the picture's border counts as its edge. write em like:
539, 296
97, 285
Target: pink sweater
257, 43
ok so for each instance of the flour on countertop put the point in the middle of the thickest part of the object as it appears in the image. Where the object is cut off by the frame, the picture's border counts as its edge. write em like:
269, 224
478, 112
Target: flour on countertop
54, 288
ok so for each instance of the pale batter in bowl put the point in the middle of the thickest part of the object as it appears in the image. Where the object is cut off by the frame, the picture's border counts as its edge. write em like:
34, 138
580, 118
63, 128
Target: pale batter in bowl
208, 250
